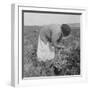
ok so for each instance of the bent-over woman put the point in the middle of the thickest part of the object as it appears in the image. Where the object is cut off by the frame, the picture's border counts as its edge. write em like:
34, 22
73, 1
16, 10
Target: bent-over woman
49, 39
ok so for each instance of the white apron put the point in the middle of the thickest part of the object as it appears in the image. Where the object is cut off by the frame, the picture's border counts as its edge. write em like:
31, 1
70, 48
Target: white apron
43, 51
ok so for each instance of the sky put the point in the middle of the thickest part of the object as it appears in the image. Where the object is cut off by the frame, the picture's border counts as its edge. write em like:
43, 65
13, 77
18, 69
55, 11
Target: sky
31, 19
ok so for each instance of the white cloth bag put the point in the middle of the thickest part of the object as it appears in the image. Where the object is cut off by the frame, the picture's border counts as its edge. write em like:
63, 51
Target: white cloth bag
43, 51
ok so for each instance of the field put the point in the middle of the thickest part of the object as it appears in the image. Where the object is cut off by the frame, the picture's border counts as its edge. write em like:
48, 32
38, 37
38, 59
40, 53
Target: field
66, 61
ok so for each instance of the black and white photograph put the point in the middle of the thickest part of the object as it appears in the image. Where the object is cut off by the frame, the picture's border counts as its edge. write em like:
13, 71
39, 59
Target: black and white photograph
50, 44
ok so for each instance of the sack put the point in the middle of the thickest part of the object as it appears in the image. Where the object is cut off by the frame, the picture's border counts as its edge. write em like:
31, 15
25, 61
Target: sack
43, 51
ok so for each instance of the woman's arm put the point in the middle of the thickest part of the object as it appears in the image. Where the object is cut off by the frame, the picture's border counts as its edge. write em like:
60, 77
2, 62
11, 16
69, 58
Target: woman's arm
59, 46
56, 40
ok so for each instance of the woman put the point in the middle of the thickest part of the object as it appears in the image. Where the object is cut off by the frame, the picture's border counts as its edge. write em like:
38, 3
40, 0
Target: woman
49, 39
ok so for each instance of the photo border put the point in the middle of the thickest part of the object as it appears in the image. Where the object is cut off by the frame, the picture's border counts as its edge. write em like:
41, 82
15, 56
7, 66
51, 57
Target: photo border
17, 40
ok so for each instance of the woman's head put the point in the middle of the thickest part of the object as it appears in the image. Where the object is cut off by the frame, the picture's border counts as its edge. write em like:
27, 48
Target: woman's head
66, 30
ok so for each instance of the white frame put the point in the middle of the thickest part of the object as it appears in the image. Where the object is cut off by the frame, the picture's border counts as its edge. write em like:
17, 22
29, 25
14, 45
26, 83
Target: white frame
16, 54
